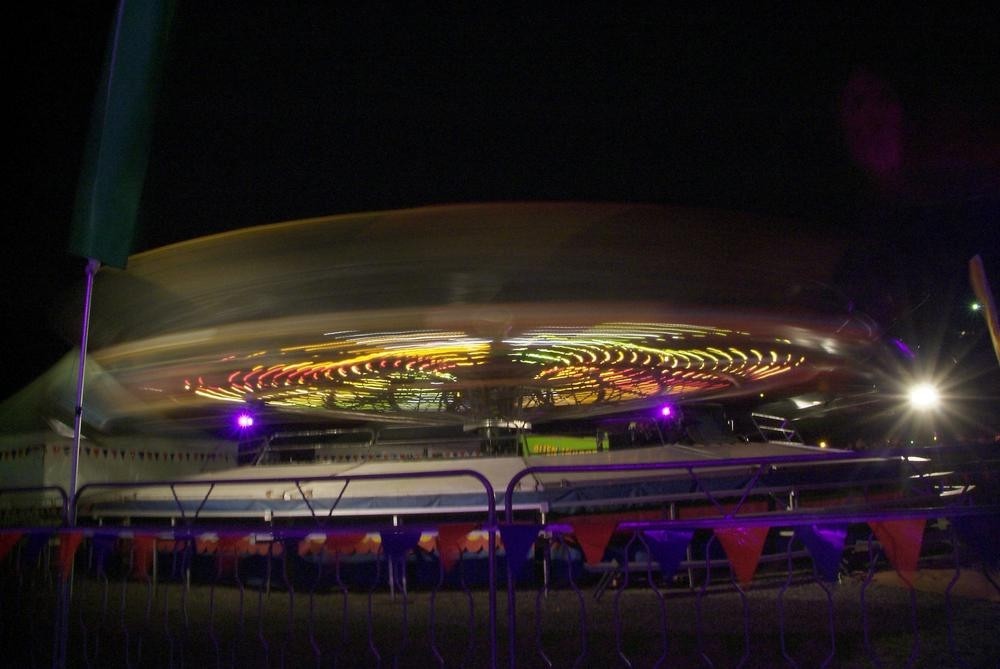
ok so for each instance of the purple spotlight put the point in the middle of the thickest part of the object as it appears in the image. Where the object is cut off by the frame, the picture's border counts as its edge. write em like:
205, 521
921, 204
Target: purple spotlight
244, 421
666, 411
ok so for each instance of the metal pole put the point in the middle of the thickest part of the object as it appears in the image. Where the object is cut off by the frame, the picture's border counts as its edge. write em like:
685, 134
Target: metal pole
981, 287
92, 266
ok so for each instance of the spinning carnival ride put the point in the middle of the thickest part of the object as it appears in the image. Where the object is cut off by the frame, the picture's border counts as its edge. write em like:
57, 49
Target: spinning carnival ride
485, 337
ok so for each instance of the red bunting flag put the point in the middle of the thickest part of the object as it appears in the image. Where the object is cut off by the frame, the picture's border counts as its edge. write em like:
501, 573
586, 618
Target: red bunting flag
901, 541
451, 541
143, 552
593, 533
7, 541
68, 543
743, 546
233, 544
343, 544
228, 551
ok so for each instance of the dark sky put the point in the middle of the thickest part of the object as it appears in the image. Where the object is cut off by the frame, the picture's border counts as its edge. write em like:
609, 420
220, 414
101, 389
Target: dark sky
277, 111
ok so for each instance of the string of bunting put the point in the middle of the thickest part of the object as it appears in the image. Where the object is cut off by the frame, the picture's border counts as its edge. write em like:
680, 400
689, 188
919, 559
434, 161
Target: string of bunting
901, 542
115, 454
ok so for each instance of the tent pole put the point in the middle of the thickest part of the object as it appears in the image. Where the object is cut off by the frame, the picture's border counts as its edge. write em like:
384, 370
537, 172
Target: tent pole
92, 266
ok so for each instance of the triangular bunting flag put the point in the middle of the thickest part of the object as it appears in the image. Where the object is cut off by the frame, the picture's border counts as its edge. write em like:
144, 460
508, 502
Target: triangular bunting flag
901, 541
669, 548
68, 543
103, 545
825, 544
980, 532
743, 546
143, 552
397, 541
290, 543
593, 533
7, 541
37, 542
451, 542
232, 544
310, 546
228, 550
517, 540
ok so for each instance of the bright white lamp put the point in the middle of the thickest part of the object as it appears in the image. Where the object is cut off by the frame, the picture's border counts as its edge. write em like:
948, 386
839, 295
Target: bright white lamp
924, 396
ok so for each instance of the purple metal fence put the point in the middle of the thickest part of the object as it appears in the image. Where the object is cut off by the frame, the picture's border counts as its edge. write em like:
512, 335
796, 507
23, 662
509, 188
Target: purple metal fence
799, 528
660, 587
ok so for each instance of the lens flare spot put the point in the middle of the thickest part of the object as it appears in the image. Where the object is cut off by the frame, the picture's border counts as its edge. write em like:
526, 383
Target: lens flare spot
924, 396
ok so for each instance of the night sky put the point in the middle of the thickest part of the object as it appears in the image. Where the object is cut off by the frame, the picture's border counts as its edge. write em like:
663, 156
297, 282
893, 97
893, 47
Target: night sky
883, 126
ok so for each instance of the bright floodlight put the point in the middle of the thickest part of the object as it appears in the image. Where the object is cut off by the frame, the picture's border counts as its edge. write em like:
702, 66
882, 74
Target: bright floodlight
244, 420
924, 396
666, 410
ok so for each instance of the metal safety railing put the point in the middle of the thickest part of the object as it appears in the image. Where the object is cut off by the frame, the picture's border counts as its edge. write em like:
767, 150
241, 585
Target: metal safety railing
39, 497
747, 577
788, 613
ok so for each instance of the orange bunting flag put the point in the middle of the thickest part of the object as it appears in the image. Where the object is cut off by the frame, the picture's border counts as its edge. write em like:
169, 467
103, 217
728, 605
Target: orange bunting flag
743, 546
901, 541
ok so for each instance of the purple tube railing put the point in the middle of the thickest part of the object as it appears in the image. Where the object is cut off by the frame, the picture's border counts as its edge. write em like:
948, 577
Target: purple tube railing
757, 467
171, 636
59, 490
347, 480
168, 608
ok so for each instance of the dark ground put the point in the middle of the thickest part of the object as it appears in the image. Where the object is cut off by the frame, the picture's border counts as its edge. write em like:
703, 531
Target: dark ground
204, 628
